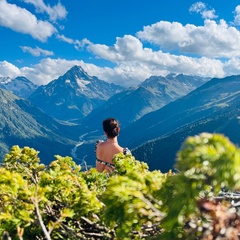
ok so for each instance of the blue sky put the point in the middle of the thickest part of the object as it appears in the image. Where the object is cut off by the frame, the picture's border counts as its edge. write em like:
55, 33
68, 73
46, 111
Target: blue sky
123, 42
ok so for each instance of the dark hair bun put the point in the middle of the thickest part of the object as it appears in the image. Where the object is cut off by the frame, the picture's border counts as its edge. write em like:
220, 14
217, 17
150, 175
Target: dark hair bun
111, 127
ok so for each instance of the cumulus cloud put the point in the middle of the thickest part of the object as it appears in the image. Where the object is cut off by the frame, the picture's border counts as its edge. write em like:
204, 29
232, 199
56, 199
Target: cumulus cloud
126, 48
214, 40
21, 20
130, 56
37, 51
56, 12
200, 7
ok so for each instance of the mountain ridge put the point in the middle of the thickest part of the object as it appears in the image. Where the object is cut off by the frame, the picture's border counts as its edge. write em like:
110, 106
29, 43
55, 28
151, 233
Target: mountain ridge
189, 108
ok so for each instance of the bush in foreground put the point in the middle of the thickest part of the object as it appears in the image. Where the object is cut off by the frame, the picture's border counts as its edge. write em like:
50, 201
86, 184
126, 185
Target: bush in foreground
59, 201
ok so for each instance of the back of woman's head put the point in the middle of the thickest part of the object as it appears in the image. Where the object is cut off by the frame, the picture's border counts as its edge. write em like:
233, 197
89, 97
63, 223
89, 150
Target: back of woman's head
111, 127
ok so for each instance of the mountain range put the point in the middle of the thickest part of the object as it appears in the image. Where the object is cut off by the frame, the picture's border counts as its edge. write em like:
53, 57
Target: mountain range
64, 117
131, 104
213, 107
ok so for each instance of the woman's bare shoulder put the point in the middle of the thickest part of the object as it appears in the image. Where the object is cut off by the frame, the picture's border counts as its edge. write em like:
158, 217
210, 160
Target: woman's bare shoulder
98, 144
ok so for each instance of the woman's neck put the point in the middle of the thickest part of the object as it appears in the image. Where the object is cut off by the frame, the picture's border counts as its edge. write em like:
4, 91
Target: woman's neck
112, 140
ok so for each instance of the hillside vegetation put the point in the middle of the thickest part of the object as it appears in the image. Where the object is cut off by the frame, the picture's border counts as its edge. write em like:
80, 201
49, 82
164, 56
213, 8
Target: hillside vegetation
21, 123
59, 201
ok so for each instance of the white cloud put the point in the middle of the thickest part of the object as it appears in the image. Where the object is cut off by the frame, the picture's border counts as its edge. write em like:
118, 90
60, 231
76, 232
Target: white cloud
56, 12
209, 14
21, 20
79, 45
232, 67
124, 49
211, 40
37, 51
144, 62
237, 16
9, 70
197, 7
200, 7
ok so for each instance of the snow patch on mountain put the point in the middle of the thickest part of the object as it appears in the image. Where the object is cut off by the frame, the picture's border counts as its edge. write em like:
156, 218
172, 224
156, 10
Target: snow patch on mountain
68, 81
82, 83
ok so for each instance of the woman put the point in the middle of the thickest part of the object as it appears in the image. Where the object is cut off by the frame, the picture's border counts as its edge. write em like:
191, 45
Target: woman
105, 151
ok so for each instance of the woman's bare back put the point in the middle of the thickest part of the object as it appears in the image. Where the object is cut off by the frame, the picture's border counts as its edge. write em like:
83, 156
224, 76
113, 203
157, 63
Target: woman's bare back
105, 152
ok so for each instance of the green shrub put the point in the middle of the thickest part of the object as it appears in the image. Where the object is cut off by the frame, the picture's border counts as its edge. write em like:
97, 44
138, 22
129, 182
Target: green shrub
59, 201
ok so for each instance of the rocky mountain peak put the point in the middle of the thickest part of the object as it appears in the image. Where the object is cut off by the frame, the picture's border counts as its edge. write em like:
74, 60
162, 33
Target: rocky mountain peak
20, 86
76, 72
73, 95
